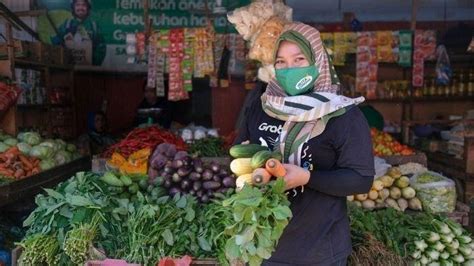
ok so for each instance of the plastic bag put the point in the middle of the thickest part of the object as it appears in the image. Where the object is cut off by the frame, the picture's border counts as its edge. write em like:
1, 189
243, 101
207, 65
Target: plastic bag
443, 66
381, 166
436, 192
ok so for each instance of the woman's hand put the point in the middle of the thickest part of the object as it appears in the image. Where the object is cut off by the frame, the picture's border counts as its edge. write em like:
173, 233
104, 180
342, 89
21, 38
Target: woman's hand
295, 176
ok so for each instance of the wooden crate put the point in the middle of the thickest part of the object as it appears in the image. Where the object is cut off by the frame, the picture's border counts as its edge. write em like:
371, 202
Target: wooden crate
461, 214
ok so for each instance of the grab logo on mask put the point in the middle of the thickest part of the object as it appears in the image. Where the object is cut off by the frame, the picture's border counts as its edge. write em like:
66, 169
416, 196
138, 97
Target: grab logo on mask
303, 82
269, 128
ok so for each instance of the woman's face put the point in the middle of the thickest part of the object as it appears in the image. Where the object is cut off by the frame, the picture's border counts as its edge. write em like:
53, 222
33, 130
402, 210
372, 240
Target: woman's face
99, 123
289, 55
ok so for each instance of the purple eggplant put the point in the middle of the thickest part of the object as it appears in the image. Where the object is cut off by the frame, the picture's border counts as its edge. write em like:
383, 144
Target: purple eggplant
228, 181
217, 178
194, 176
197, 185
197, 163
152, 173
171, 151
180, 155
211, 185
223, 172
176, 178
177, 164
205, 199
215, 167
207, 175
168, 170
199, 193
174, 190
185, 184
167, 183
159, 161
183, 171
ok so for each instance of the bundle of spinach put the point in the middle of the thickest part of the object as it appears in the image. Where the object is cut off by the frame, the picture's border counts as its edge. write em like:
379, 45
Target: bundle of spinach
208, 147
260, 214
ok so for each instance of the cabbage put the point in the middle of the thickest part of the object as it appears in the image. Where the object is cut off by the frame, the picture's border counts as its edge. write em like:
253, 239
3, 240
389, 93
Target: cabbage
61, 144
31, 138
24, 147
42, 152
21, 136
71, 148
10, 142
51, 144
47, 164
62, 157
4, 136
3, 147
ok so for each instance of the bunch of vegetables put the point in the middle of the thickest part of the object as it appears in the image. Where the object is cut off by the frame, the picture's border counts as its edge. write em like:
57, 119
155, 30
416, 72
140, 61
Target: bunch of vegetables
141, 138
446, 242
255, 164
437, 193
30, 144
423, 237
15, 165
208, 147
180, 173
391, 190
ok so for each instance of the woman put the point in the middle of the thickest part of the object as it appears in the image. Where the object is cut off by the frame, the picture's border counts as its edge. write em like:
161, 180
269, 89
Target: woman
97, 139
325, 144
152, 101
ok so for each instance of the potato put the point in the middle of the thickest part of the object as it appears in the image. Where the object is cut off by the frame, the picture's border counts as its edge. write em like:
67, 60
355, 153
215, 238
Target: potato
361, 197
368, 204
415, 204
350, 198
377, 185
402, 182
384, 193
392, 204
395, 193
408, 193
358, 203
373, 194
394, 172
386, 180
402, 203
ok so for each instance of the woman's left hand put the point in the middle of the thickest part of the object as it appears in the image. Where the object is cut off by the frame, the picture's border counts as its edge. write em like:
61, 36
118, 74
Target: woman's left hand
295, 176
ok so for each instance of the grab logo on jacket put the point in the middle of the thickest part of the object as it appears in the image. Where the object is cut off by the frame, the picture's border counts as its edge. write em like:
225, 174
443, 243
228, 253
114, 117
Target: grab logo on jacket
269, 128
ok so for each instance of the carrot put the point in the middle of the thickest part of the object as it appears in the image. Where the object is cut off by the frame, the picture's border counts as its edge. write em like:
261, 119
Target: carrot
6, 172
260, 176
275, 168
27, 163
35, 170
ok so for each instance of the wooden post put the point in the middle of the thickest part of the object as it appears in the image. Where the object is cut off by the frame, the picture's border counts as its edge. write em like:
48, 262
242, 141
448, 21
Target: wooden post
414, 5
469, 154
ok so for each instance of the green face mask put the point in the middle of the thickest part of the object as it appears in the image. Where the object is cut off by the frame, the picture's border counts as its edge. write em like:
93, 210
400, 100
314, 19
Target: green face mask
297, 80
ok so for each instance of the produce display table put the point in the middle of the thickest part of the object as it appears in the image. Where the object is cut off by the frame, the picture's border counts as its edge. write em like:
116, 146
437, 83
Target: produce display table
34, 184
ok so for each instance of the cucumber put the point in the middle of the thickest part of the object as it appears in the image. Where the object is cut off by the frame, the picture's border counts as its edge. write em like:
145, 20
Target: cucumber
126, 180
245, 150
260, 158
111, 179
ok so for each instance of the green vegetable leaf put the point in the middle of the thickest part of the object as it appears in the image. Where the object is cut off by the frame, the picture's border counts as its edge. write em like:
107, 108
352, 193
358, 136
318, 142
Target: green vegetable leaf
79, 215
250, 247
264, 253
204, 244
52, 208
190, 214
77, 200
232, 250
246, 237
255, 261
281, 212
54, 194
66, 212
168, 236
181, 203
29, 221
279, 186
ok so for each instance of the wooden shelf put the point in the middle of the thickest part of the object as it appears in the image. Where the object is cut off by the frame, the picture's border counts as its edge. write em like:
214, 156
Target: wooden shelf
22, 62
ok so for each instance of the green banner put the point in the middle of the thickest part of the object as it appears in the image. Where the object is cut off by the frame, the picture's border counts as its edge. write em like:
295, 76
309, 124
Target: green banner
90, 26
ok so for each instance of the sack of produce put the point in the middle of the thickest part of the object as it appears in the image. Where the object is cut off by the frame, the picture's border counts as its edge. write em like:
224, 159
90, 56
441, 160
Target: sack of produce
436, 192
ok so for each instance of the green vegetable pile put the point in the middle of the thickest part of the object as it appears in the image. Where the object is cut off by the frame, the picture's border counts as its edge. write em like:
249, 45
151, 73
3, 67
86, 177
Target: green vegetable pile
125, 217
208, 147
437, 193
422, 237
